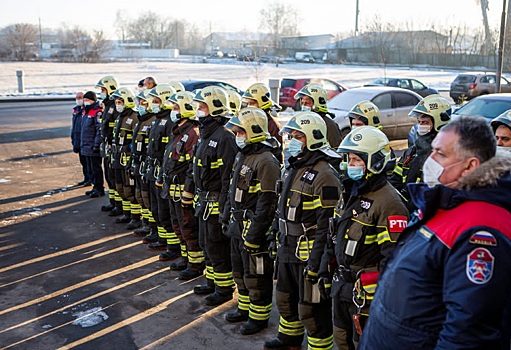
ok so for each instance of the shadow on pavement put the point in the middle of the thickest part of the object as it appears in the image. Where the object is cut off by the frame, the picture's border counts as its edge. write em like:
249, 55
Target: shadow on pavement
36, 135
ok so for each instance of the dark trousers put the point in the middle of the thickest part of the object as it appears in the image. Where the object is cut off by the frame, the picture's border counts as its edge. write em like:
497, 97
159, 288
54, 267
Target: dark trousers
87, 171
94, 162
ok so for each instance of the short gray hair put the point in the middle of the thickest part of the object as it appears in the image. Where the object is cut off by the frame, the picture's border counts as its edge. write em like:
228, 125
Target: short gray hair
476, 138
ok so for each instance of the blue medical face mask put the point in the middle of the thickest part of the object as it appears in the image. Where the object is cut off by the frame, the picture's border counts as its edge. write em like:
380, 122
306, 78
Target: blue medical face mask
174, 116
141, 110
355, 172
240, 141
295, 147
101, 96
156, 109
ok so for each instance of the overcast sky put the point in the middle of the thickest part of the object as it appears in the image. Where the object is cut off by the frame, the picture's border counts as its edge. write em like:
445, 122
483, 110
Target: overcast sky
318, 16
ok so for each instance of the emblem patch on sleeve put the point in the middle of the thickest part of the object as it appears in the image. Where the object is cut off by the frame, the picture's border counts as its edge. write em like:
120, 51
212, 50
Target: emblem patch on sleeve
483, 238
397, 223
309, 176
480, 264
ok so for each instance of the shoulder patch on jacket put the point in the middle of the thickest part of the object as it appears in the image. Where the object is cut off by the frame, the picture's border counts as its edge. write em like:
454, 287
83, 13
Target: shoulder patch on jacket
309, 176
397, 223
480, 264
483, 238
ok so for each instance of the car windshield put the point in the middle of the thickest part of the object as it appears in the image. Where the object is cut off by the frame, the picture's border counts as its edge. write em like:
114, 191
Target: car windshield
488, 108
349, 98
285, 83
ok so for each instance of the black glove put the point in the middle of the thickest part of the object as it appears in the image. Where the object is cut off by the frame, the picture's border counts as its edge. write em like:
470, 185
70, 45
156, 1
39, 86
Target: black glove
95, 149
325, 285
225, 226
76, 149
310, 275
272, 245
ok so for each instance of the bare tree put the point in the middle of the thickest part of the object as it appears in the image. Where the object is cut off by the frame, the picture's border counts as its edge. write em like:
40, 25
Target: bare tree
21, 39
122, 23
279, 20
487, 33
150, 27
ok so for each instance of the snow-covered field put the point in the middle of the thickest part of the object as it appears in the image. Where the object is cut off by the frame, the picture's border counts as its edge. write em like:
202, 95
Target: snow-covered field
41, 78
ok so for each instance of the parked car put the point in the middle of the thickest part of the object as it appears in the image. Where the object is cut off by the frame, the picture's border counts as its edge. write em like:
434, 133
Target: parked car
290, 86
488, 106
270, 59
191, 85
305, 57
394, 104
466, 86
404, 83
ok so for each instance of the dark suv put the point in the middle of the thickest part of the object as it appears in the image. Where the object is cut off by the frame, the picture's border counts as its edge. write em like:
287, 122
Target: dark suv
466, 86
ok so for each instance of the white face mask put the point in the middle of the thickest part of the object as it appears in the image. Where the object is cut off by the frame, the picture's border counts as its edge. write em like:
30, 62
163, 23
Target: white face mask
86, 103
306, 109
200, 114
240, 141
119, 108
432, 170
156, 109
79, 102
423, 129
174, 116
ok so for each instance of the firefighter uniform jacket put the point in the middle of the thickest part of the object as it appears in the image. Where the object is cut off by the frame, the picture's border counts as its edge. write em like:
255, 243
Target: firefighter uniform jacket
333, 133
123, 135
177, 158
409, 167
370, 220
212, 164
447, 283
159, 135
252, 196
310, 193
140, 139
108, 121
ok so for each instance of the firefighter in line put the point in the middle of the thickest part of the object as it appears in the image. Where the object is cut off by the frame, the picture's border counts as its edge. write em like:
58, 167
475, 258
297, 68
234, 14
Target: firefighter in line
248, 216
149, 229
310, 192
313, 97
211, 170
258, 95
108, 84
432, 113
364, 113
158, 140
176, 162
370, 218
125, 122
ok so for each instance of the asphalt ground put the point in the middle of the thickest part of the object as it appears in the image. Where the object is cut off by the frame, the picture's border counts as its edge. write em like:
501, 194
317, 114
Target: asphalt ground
61, 257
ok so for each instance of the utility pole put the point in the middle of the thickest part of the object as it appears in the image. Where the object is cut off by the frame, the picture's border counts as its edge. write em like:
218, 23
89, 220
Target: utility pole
501, 46
40, 35
356, 18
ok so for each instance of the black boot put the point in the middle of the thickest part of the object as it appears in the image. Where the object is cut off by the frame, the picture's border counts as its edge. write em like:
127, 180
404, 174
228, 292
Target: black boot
160, 244
115, 212
179, 265
142, 232
123, 219
151, 238
253, 327
236, 316
108, 207
203, 289
190, 274
170, 254
216, 299
133, 224
95, 193
276, 343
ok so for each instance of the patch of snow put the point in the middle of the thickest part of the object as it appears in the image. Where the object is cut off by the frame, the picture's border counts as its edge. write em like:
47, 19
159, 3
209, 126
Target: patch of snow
89, 318
4, 180
47, 326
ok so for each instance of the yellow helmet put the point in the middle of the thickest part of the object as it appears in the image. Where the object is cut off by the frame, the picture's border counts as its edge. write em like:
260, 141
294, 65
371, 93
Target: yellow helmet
312, 125
163, 92
215, 98
126, 95
317, 93
436, 107
260, 93
109, 83
184, 100
503, 119
178, 86
367, 112
234, 101
370, 144
254, 121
